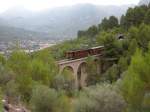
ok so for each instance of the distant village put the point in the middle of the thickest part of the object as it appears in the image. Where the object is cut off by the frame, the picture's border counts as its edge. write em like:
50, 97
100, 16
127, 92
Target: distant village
28, 46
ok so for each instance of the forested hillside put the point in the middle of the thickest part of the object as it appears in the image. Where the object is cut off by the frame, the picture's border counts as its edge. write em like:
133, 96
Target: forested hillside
33, 80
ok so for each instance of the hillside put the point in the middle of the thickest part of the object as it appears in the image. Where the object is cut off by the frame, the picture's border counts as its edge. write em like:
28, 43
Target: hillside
63, 21
8, 33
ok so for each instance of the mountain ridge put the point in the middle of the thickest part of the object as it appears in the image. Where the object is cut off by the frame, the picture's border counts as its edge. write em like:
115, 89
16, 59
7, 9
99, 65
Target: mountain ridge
62, 22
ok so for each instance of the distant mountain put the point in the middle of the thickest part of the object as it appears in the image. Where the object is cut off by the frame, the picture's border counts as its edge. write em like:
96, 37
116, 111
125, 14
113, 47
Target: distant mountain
144, 2
62, 22
11, 33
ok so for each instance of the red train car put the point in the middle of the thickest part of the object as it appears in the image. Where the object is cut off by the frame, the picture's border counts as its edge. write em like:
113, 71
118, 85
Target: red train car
84, 53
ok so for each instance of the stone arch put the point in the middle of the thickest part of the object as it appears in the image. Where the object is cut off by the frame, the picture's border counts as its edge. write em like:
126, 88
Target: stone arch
68, 68
68, 73
81, 75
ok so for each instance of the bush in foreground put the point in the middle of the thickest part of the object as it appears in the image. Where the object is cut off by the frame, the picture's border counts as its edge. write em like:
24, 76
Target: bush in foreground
45, 99
100, 98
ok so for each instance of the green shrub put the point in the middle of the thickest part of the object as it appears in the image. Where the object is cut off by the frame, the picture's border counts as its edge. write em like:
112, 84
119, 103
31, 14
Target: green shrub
45, 99
100, 98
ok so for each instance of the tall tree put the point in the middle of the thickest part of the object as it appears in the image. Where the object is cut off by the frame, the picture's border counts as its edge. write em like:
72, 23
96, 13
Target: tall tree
104, 24
136, 81
123, 23
113, 22
147, 17
92, 31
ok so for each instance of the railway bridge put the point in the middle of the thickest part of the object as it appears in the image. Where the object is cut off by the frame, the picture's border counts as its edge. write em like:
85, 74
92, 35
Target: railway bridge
76, 62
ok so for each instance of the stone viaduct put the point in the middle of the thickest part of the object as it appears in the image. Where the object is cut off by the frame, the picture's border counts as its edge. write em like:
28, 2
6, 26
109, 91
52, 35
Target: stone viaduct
79, 69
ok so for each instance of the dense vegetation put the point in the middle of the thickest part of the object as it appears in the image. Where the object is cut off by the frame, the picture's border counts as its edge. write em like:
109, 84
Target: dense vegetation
34, 80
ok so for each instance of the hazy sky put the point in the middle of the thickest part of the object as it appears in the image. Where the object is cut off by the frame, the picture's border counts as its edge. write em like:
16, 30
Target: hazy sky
44, 4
